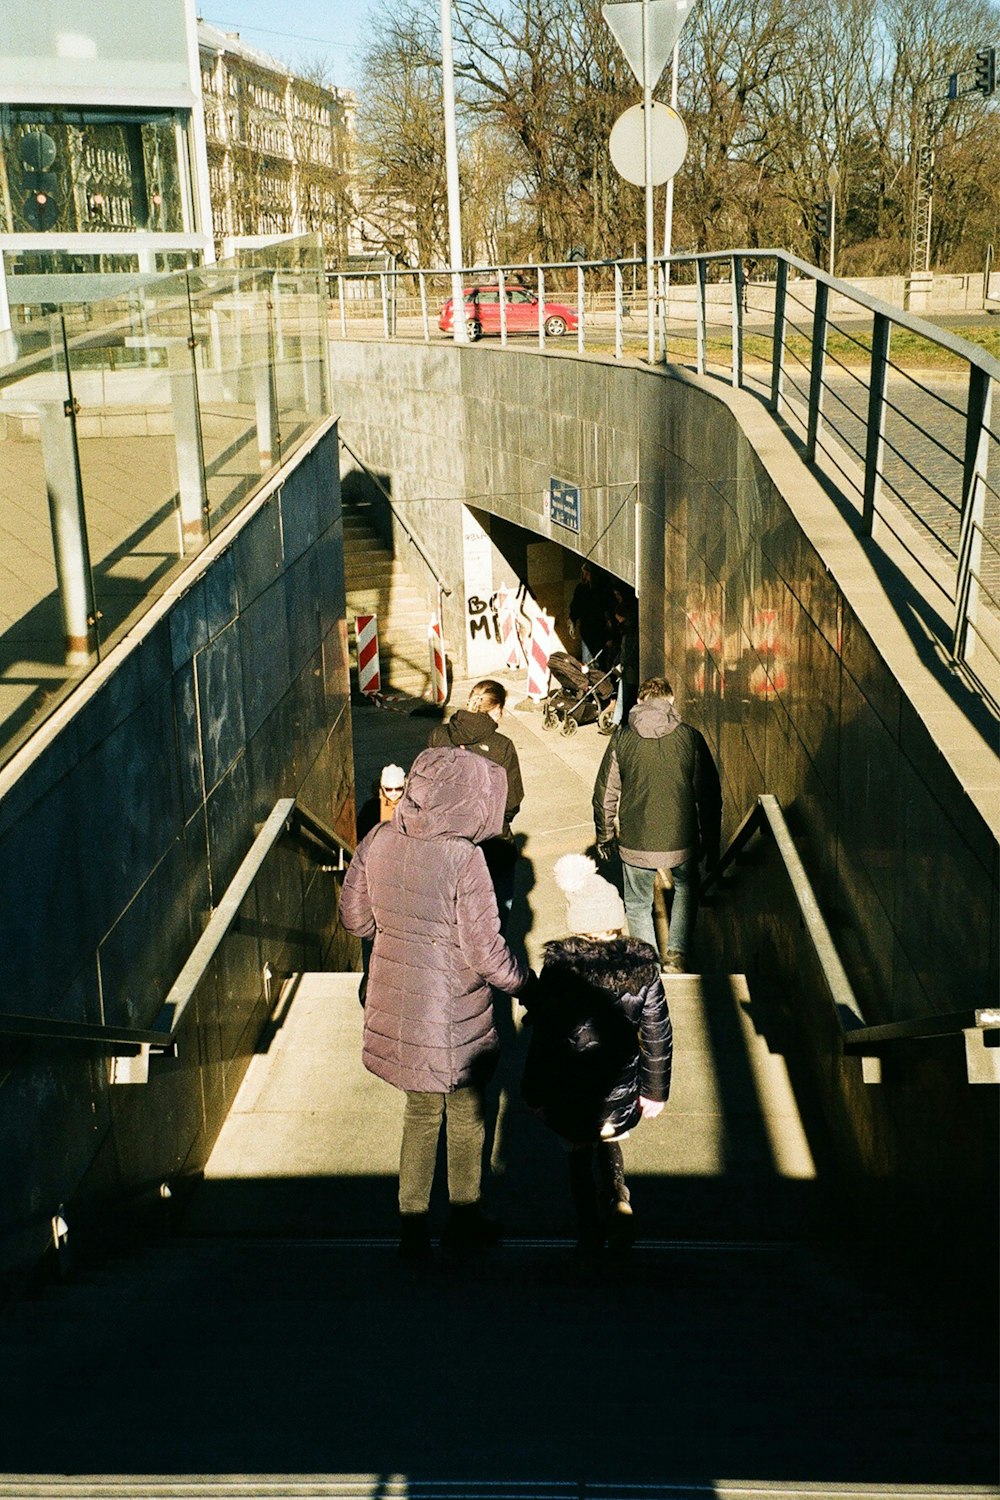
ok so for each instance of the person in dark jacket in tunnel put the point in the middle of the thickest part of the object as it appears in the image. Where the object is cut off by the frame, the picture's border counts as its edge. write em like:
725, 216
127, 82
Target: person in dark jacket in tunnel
659, 783
419, 887
477, 728
600, 1051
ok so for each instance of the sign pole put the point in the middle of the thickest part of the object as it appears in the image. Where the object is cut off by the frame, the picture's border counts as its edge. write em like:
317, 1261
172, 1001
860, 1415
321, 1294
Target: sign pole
668, 216
647, 139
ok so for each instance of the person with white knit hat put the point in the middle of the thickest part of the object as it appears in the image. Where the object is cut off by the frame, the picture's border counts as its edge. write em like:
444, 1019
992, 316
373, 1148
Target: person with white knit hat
600, 1049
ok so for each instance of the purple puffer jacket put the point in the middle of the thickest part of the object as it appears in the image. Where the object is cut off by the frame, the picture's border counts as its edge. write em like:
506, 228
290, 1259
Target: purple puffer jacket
419, 885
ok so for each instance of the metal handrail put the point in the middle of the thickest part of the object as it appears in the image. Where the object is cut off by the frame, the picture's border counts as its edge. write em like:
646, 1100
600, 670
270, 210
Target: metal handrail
285, 817
857, 1036
411, 535
971, 627
955, 345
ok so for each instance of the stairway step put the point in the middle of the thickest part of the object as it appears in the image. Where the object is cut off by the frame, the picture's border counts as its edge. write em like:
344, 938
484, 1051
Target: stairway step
403, 1487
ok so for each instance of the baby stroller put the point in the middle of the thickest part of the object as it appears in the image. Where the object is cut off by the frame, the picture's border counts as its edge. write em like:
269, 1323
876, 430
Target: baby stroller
583, 695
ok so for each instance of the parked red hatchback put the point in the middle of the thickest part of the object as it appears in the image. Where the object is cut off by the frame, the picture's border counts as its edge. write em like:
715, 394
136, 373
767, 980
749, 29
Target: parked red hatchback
482, 313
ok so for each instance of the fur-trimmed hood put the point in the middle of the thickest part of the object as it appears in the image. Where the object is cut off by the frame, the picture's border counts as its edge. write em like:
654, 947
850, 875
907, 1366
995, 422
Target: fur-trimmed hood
600, 1036
619, 965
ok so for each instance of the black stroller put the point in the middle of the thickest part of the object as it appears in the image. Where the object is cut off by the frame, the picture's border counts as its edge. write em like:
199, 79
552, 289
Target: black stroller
583, 695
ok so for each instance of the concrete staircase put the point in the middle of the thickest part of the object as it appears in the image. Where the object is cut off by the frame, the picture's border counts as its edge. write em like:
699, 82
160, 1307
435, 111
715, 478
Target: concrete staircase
270, 1348
377, 583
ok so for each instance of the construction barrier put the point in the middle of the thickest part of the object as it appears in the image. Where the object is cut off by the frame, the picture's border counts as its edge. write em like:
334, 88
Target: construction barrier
439, 673
510, 641
538, 656
366, 635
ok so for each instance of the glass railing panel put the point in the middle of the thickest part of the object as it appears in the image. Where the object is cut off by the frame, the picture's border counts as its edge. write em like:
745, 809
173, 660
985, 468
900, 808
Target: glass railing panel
233, 365
298, 342
137, 433
46, 637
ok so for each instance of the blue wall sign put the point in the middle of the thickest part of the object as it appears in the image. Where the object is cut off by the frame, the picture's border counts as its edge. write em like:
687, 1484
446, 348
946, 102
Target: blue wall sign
564, 504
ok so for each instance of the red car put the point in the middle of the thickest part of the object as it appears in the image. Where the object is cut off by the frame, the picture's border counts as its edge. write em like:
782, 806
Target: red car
482, 313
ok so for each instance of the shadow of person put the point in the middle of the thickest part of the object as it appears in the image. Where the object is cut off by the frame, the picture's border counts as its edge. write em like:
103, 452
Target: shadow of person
506, 1080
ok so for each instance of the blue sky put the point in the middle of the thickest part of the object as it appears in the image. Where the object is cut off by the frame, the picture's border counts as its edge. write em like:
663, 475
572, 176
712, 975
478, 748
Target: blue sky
298, 30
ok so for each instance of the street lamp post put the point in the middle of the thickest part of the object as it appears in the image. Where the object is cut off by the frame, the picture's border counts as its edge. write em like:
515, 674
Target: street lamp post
833, 182
459, 329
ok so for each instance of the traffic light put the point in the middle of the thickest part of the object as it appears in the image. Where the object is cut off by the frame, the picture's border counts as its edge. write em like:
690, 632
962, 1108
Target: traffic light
38, 152
821, 219
986, 70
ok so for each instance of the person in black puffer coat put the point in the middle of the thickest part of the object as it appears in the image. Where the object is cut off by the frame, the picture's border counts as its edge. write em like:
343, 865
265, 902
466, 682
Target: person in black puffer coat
477, 728
600, 1051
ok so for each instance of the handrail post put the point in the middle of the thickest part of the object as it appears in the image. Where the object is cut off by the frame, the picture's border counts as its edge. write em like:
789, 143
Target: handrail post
579, 310
737, 313
343, 307
422, 283
385, 304
816, 369
875, 444
502, 292
970, 547
619, 293
778, 336
541, 308
700, 317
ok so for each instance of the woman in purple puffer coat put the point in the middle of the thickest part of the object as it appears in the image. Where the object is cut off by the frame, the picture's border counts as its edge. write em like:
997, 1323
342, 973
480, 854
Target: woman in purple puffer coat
419, 887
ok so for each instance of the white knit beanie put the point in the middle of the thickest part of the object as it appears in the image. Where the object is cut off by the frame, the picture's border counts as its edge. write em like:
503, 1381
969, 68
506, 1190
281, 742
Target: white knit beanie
592, 903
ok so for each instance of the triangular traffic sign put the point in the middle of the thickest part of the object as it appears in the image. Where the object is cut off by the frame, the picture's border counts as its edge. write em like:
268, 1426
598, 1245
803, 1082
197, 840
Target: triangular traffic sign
666, 18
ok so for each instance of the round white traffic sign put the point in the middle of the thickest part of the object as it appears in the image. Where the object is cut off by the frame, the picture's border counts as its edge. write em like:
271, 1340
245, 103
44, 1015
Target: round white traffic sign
628, 149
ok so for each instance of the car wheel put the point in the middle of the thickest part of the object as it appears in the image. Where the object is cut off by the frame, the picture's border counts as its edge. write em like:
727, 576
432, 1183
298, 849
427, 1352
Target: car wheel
555, 327
569, 725
475, 332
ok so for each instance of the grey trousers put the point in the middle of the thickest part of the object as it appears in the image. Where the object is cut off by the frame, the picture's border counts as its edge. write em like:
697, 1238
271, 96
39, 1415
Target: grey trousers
465, 1130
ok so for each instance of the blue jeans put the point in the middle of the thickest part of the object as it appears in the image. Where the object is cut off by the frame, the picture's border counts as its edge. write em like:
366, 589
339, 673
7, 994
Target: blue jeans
639, 903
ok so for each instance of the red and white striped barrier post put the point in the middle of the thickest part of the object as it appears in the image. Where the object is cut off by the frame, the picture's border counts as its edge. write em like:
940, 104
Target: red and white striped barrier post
509, 639
366, 634
439, 674
538, 657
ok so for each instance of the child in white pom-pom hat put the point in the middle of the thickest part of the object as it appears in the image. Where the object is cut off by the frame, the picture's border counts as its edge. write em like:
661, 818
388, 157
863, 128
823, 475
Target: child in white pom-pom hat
600, 1050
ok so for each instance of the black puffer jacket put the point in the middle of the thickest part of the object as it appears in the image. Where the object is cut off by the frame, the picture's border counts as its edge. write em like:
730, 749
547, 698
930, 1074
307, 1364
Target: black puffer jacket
478, 732
600, 1036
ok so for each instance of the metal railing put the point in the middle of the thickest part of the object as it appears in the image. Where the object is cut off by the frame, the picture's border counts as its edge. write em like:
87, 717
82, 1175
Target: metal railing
442, 587
898, 413
979, 1026
130, 1046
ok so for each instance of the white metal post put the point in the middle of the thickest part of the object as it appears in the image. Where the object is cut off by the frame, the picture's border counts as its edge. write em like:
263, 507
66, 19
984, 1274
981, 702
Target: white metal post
647, 142
422, 283
541, 308
579, 310
460, 331
668, 216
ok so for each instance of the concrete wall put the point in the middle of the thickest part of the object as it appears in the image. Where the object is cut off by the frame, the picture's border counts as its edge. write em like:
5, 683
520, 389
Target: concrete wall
764, 609
123, 821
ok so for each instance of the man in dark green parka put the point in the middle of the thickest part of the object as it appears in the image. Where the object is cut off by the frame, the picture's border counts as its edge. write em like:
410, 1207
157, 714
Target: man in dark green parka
659, 781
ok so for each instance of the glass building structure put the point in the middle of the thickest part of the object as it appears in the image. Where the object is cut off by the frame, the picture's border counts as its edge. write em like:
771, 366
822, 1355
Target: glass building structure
103, 165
